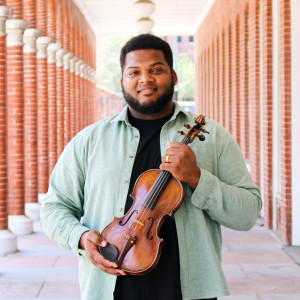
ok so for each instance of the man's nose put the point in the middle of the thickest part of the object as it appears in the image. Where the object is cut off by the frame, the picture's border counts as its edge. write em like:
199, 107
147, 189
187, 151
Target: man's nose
146, 77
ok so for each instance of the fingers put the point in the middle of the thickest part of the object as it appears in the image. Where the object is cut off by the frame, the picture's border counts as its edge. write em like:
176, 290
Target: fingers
92, 240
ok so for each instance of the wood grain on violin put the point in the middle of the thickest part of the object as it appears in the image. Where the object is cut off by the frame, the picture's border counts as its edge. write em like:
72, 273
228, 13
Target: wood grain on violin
133, 241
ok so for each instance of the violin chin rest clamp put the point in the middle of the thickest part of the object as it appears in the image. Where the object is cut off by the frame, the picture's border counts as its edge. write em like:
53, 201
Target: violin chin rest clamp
110, 252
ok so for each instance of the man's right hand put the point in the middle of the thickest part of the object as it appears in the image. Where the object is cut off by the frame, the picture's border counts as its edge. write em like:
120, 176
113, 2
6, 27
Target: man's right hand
89, 242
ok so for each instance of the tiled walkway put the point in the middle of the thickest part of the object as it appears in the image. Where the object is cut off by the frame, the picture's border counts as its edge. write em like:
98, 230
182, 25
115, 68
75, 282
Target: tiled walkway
254, 264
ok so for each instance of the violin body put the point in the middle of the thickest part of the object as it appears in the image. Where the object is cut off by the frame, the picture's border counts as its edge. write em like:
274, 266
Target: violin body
135, 235
132, 241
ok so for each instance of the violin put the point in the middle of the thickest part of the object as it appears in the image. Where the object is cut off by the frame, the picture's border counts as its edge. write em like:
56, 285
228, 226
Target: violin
132, 240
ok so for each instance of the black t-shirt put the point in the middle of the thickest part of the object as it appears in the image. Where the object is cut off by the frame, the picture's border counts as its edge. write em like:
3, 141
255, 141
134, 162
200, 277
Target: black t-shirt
163, 282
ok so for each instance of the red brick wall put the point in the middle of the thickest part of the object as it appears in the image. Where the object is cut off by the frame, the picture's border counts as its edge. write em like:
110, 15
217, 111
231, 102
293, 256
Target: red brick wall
238, 34
285, 202
3, 157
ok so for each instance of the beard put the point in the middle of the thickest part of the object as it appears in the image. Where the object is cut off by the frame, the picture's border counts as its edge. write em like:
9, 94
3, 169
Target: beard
153, 106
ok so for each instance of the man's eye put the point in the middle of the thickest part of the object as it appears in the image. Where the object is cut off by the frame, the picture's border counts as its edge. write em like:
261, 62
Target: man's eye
157, 70
133, 73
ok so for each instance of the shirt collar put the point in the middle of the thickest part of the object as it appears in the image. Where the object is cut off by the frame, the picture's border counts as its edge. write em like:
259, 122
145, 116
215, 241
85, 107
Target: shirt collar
123, 115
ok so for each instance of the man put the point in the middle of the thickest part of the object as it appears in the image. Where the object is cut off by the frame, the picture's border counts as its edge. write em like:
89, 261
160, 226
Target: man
96, 174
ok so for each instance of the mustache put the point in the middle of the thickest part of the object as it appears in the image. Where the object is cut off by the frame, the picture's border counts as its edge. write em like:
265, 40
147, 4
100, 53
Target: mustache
146, 86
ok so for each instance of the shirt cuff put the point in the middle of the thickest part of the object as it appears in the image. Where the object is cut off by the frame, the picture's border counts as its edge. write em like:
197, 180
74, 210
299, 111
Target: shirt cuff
204, 190
74, 238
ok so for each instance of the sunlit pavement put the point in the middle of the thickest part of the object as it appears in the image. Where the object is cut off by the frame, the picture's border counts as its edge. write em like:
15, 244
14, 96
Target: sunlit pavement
254, 264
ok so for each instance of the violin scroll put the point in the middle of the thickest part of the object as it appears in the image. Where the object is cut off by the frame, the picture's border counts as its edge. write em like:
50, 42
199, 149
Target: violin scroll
193, 131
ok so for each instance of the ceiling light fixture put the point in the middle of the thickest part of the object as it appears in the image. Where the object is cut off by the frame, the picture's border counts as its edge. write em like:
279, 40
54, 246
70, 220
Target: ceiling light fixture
144, 8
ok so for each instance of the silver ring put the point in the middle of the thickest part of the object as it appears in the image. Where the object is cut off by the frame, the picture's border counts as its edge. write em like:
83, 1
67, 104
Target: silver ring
167, 158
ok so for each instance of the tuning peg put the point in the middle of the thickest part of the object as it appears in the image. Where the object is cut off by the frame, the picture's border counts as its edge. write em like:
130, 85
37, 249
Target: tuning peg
187, 126
201, 137
181, 132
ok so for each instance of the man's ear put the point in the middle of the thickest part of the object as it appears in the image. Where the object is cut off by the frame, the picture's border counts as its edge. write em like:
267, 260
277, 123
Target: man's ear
121, 82
174, 77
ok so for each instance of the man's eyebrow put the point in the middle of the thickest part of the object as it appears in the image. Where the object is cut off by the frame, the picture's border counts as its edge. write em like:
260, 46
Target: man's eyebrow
152, 65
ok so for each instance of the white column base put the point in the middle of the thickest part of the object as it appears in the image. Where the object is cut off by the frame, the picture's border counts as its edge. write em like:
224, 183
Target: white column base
32, 210
8, 242
20, 225
41, 197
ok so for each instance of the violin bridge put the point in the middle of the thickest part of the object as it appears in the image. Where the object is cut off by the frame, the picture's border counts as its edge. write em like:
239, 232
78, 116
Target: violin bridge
138, 222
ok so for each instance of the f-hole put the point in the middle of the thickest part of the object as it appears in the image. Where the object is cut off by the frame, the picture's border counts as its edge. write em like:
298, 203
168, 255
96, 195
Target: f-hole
151, 220
120, 223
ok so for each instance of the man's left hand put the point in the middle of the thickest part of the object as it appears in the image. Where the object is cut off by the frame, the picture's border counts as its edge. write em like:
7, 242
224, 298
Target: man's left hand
180, 161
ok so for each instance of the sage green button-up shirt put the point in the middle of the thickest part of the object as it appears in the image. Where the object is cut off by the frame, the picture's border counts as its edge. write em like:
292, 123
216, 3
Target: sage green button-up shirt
90, 183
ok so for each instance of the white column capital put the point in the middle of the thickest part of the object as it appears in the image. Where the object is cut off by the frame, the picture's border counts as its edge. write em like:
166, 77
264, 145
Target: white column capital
14, 30
95, 77
67, 60
4, 15
82, 70
11, 11
77, 66
89, 73
59, 57
51, 51
42, 44
73, 61
29, 38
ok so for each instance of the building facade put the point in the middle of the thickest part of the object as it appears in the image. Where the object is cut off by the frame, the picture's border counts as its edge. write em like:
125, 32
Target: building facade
247, 78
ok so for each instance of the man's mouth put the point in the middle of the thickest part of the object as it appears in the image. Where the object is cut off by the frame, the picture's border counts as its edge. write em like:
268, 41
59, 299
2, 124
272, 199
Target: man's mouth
146, 90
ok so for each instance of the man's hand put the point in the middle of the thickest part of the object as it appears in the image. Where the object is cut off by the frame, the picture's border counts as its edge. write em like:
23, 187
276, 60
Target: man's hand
180, 161
89, 241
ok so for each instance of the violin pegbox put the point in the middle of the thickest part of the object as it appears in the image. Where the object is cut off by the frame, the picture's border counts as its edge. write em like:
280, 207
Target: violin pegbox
193, 131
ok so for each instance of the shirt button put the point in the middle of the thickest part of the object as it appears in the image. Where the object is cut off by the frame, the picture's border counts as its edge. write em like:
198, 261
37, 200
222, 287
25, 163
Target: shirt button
126, 181
121, 209
131, 156
136, 136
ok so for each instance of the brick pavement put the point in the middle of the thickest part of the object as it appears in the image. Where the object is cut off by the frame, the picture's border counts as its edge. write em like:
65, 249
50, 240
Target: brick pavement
254, 264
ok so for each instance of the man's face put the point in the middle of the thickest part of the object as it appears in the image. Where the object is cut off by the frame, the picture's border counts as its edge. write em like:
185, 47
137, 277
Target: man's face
147, 81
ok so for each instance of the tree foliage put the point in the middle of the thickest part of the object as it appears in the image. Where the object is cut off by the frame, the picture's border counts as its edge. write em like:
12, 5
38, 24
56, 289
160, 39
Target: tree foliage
108, 61
186, 77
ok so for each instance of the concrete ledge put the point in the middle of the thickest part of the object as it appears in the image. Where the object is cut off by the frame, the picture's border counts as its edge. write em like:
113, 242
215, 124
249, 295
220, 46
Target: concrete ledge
8, 242
32, 210
20, 225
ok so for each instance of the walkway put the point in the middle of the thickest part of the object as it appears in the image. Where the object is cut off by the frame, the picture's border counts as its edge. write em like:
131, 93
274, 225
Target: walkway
254, 264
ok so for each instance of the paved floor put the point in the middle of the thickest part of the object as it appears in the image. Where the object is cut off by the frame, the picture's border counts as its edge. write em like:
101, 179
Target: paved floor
254, 264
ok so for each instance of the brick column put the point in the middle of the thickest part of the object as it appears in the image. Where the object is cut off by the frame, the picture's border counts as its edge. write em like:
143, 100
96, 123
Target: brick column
254, 89
285, 68
67, 104
17, 221
90, 96
32, 208
72, 97
52, 107
42, 116
8, 239
77, 96
244, 84
17, 6
82, 95
267, 111
86, 96
60, 99
41, 16
29, 9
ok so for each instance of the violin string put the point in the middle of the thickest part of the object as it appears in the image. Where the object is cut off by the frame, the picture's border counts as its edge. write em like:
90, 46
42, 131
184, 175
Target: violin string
149, 196
155, 191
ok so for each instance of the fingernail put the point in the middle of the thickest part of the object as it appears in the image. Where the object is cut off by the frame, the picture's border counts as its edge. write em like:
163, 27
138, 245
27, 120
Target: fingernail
103, 244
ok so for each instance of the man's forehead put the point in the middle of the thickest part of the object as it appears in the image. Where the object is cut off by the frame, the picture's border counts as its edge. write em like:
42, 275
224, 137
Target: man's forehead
148, 56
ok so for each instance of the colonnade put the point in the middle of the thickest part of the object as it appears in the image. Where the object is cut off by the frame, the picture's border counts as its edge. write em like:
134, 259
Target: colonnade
47, 94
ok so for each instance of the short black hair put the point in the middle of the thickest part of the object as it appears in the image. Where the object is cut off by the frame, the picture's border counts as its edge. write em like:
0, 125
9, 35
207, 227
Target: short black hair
147, 41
